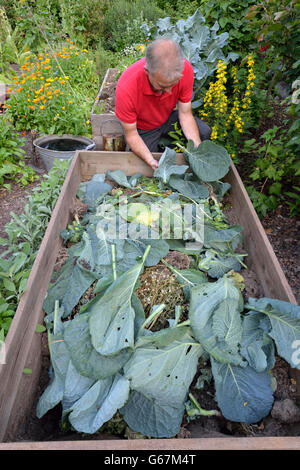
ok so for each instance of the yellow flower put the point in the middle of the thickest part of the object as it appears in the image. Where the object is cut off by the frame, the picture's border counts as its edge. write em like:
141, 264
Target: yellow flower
42, 107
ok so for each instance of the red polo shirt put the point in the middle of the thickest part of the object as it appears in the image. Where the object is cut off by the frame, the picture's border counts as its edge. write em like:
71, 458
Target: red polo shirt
137, 102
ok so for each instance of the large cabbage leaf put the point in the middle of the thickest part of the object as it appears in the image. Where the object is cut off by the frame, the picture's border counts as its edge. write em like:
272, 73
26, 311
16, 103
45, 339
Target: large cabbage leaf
284, 318
243, 394
68, 288
167, 166
225, 239
120, 177
257, 347
209, 161
192, 189
216, 265
216, 321
90, 191
66, 384
151, 418
84, 356
111, 320
163, 365
98, 404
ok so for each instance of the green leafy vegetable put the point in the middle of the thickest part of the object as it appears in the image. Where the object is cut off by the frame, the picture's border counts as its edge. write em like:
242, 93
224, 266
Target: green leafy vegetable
167, 166
215, 319
112, 318
284, 319
243, 394
209, 161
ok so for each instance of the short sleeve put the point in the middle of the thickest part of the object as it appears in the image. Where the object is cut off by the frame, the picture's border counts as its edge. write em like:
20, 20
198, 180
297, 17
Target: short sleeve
124, 107
186, 83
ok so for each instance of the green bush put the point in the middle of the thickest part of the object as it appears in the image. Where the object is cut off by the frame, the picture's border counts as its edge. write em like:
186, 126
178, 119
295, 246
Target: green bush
106, 59
121, 24
82, 19
231, 17
179, 9
12, 156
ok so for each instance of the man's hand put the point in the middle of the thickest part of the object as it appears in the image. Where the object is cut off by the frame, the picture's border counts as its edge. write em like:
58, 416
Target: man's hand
153, 163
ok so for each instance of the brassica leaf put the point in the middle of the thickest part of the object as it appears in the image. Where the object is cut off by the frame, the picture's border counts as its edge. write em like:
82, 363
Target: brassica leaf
215, 319
209, 161
150, 417
256, 346
243, 394
85, 358
164, 364
111, 320
216, 265
167, 166
284, 318
99, 404
191, 189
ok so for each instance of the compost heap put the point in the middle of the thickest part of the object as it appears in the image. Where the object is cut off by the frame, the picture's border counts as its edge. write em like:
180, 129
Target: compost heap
106, 355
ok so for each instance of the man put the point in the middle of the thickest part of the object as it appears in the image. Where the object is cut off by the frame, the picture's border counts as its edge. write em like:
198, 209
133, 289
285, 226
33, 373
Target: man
147, 94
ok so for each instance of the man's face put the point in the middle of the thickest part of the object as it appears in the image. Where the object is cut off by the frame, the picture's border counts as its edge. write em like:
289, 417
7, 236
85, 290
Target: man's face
158, 82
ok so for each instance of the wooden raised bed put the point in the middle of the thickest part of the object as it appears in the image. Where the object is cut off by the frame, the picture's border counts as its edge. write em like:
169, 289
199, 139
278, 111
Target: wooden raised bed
23, 344
103, 112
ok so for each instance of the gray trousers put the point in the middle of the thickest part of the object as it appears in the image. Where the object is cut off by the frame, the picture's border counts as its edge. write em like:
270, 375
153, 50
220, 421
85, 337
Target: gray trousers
152, 137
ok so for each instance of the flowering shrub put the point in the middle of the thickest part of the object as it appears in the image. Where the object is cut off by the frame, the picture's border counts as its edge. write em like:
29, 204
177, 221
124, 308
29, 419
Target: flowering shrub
226, 114
49, 96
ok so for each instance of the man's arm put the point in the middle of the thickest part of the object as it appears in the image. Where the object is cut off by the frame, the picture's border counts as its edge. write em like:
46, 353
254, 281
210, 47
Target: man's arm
137, 144
188, 123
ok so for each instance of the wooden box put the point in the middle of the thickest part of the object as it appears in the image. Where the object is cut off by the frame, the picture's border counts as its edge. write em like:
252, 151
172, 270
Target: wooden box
101, 120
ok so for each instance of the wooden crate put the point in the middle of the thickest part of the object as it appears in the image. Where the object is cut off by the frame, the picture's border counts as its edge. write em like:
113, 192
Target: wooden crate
23, 344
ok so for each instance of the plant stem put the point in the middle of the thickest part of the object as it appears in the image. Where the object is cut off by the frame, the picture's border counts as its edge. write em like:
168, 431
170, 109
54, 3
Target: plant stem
184, 323
146, 253
178, 310
114, 263
200, 410
56, 312
157, 311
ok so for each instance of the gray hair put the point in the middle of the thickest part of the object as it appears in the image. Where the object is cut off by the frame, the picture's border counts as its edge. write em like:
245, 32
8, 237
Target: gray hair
165, 55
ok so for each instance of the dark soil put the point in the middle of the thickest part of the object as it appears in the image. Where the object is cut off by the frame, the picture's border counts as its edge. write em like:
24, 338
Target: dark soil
106, 99
15, 199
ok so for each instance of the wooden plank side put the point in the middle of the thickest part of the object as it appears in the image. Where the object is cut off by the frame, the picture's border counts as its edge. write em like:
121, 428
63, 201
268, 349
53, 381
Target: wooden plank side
98, 119
101, 161
26, 390
261, 257
214, 443
28, 314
